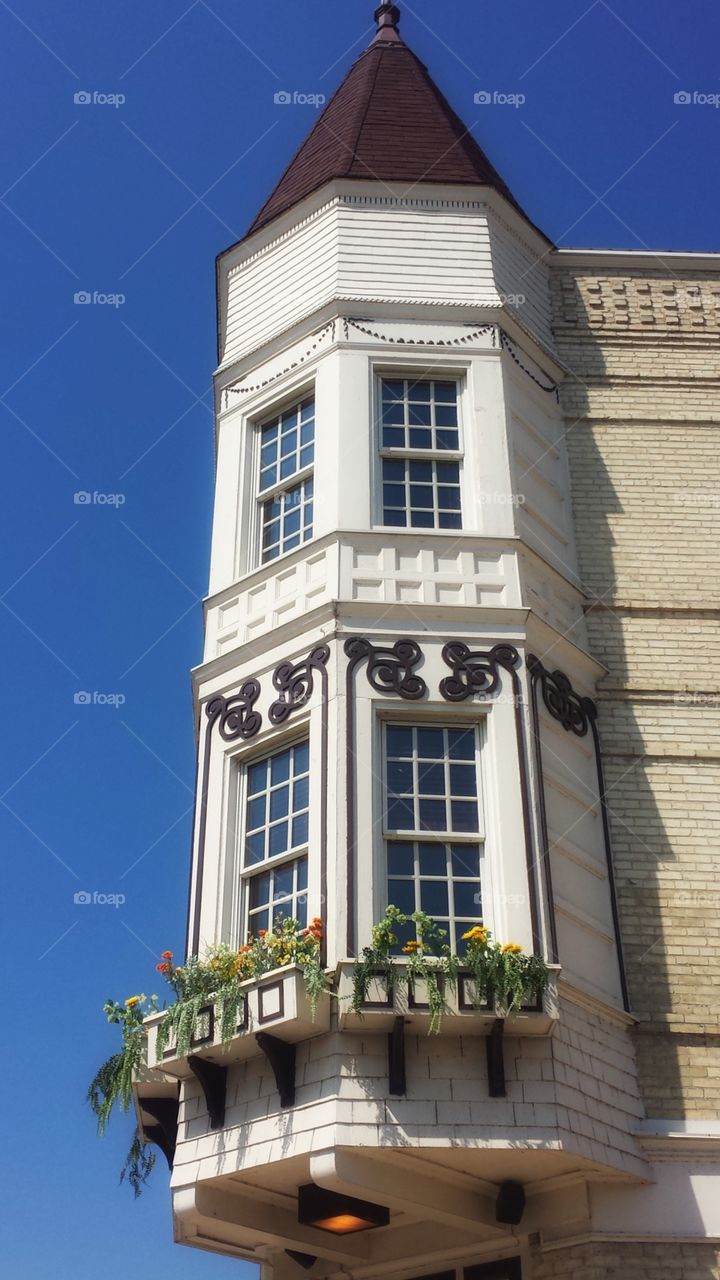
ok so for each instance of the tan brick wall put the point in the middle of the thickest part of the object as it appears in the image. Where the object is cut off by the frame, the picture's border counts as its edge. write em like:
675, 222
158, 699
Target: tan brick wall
604, 1260
642, 406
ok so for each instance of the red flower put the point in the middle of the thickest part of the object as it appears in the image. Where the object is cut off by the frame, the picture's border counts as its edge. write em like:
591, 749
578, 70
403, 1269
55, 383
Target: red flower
166, 955
262, 933
162, 968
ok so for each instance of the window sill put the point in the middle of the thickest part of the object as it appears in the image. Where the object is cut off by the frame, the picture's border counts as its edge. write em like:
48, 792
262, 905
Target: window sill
460, 1018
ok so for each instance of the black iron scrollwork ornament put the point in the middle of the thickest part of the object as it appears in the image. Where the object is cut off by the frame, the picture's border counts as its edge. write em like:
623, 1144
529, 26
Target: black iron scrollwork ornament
295, 682
475, 673
574, 712
390, 669
236, 715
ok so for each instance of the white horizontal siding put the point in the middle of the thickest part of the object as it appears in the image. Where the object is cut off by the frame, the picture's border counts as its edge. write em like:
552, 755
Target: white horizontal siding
518, 269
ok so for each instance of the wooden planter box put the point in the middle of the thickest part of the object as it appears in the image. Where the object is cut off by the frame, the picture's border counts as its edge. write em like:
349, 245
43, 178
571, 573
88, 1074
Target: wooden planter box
278, 1003
385, 1002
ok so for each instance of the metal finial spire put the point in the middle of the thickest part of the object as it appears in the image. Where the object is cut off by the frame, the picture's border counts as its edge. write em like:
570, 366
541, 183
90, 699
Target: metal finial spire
387, 15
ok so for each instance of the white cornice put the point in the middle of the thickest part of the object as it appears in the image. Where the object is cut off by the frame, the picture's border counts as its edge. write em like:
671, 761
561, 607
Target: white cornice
618, 258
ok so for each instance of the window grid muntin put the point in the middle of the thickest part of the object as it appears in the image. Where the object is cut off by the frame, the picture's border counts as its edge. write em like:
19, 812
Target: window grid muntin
462, 850
285, 873
420, 453
286, 897
287, 444
287, 519
260, 835
413, 408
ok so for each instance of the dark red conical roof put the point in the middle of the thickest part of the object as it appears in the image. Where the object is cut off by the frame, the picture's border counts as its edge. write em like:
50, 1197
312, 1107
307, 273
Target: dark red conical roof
388, 121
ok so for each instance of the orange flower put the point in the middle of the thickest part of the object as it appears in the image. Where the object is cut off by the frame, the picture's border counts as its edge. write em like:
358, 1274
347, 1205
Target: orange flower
262, 933
512, 948
166, 955
162, 968
411, 947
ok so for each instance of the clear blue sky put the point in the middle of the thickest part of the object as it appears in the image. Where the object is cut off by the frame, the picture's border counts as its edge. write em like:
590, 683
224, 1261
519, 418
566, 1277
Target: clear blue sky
136, 200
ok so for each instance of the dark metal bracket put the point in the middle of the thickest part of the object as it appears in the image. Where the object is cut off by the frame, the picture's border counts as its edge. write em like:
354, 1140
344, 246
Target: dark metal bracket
213, 1082
495, 1060
281, 1057
397, 1081
164, 1133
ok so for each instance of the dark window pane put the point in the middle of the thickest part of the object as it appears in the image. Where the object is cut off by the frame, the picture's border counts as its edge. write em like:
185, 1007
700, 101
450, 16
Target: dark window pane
278, 839
255, 849
431, 779
280, 767
433, 859
404, 933
257, 777
446, 392
283, 885
400, 777
462, 744
399, 741
434, 897
300, 830
462, 780
464, 815
394, 495
392, 390
307, 410
393, 414
446, 415
393, 438
447, 439
421, 495
448, 472
279, 803
422, 520
301, 913
260, 890
400, 858
259, 922
430, 743
420, 415
422, 473
432, 815
467, 899
256, 813
301, 790
465, 860
448, 499
301, 758
419, 391
420, 439
292, 523
397, 519
301, 865
400, 815
393, 470
401, 893
449, 520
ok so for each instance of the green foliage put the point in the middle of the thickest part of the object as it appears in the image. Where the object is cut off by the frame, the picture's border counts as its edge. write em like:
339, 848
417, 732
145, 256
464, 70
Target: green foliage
500, 975
139, 1164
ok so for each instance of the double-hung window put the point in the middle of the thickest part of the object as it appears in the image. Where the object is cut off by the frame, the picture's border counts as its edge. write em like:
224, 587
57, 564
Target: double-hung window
434, 825
275, 839
420, 453
287, 446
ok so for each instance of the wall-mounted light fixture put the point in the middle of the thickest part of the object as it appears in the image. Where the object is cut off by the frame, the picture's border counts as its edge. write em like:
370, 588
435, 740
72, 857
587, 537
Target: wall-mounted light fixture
330, 1211
510, 1204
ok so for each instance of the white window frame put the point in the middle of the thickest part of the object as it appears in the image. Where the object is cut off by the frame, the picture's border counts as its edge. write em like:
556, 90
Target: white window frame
407, 373
439, 719
259, 498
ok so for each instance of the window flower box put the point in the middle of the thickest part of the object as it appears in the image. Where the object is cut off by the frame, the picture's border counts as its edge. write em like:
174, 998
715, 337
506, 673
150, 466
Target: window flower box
400, 997
278, 1003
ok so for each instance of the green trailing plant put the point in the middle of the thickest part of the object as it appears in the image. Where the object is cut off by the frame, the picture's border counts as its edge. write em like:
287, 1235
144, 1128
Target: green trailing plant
218, 980
501, 975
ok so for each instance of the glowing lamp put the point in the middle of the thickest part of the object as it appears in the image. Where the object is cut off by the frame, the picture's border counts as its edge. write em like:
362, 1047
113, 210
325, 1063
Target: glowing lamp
342, 1215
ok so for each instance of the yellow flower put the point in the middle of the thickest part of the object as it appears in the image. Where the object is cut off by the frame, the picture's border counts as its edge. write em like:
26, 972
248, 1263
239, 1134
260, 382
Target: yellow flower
476, 934
512, 948
411, 947
130, 1004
